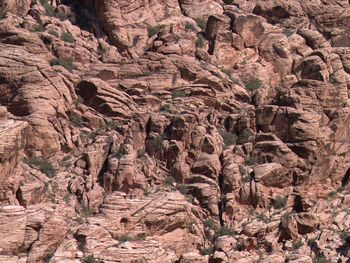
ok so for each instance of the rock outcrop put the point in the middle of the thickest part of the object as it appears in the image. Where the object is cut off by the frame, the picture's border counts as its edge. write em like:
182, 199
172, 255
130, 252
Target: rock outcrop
174, 131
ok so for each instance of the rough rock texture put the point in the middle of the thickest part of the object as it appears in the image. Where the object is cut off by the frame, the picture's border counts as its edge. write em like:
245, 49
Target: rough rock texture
174, 131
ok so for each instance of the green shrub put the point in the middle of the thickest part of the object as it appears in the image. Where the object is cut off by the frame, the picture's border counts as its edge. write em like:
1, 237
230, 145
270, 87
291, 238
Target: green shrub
155, 30
66, 63
288, 32
345, 236
112, 125
49, 9
53, 32
182, 188
165, 108
61, 16
206, 251
124, 238
200, 41
201, 23
189, 27
147, 191
263, 218
90, 259
169, 180
229, 138
178, 94
280, 202
225, 71
244, 136
38, 28
48, 256
86, 136
146, 73
141, 153
101, 50
2, 14
67, 37
242, 170
210, 223
66, 162
311, 242
42, 164
86, 211
224, 231
76, 119
157, 142
296, 245
251, 161
332, 194
253, 84
321, 258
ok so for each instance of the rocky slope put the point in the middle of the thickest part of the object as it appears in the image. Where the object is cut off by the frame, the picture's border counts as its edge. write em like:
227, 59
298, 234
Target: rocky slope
174, 131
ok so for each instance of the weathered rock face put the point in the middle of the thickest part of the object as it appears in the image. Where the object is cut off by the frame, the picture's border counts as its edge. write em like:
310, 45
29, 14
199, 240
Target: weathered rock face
18, 7
13, 222
174, 131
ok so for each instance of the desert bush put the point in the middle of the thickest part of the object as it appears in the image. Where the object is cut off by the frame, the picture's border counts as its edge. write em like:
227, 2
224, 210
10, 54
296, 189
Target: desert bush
53, 32
280, 202
90, 259
169, 180
311, 242
252, 160
178, 94
125, 238
229, 138
49, 9
332, 194
201, 23
206, 251
2, 14
42, 164
157, 142
165, 108
288, 32
48, 256
66, 63
101, 50
66, 162
67, 37
297, 244
111, 125
244, 136
38, 28
200, 41
210, 223
61, 16
253, 84
224, 231
76, 119
345, 236
262, 217
155, 30
242, 170
321, 258
189, 27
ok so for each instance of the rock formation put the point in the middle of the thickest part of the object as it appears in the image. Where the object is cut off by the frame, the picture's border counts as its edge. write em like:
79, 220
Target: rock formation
174, 131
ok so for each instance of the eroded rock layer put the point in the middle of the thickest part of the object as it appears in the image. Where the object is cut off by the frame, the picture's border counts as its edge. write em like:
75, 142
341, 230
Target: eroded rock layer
174, 131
